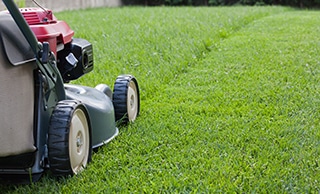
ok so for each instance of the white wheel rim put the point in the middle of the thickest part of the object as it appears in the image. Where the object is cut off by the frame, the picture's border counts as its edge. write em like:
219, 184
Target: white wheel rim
132, 101
78, 141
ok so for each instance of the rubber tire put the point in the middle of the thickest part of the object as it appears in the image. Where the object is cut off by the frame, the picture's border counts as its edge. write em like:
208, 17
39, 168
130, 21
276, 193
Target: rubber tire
66, 157
126, 99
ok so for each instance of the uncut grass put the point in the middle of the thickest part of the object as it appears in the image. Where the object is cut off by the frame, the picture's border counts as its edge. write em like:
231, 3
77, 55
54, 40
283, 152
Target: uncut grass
229, 100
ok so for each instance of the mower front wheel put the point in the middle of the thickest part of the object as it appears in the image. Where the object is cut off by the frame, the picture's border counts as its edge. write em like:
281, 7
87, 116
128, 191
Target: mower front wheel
126, 99
69, 142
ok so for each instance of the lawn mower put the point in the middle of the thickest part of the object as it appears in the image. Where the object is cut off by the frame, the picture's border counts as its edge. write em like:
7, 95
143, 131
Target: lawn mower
46, 122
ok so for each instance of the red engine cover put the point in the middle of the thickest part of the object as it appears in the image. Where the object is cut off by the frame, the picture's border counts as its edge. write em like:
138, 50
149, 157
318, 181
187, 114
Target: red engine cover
47, 28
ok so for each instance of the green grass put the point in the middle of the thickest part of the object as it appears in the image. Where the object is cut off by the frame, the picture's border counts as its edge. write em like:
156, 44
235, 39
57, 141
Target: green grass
229, 100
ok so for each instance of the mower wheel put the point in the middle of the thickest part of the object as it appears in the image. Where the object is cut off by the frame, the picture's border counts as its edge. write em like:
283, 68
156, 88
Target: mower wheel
126, 99
69, 139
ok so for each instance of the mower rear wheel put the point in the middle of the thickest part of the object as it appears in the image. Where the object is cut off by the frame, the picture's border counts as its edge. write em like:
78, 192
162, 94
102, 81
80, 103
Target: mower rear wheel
126, 99
69, 142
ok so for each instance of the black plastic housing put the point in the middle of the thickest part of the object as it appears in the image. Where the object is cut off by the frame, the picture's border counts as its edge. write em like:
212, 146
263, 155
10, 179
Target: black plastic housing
83, 52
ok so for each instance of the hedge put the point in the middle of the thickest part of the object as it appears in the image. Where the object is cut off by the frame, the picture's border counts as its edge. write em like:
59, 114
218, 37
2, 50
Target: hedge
295, 3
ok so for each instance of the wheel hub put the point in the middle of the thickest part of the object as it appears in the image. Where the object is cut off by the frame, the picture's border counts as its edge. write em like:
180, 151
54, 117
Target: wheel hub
131, 101
79, 142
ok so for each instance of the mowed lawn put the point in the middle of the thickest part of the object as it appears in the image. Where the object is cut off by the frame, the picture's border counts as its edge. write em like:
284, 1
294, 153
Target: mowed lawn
229, 100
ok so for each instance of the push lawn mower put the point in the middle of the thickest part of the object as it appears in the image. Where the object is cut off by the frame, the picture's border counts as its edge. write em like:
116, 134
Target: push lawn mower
47, 123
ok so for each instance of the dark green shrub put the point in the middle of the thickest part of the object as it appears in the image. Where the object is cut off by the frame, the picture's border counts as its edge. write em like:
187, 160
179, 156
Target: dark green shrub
295, 3
216, 2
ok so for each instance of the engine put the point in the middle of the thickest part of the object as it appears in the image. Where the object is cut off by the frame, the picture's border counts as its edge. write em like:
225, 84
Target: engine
74, 55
